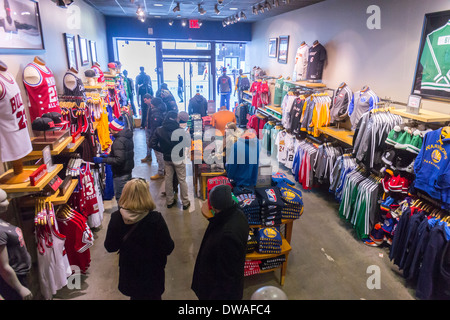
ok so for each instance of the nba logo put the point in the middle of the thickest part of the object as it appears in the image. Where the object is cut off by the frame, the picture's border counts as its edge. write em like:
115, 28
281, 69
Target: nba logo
271, 195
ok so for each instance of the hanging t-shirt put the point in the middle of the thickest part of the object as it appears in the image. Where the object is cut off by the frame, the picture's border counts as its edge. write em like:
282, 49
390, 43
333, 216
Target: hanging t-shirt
280, 143
341, 102
278, 92
316, 60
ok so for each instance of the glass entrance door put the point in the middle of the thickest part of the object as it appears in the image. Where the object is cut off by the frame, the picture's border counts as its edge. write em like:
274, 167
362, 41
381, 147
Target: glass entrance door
185, 77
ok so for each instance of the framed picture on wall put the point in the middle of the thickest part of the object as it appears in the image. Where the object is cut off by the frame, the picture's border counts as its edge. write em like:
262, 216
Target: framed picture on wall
93, 49
69, 40
84, 51
273, 47
20, 25
283, 48
432, 75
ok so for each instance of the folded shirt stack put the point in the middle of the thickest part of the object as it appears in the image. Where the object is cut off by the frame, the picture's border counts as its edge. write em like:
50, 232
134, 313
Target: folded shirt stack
250, 206
271, 205
251, 267
272, 263
292, 197
269, 240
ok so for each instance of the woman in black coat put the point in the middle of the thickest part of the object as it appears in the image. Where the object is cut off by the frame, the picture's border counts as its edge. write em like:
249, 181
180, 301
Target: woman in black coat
219, 268
143, 240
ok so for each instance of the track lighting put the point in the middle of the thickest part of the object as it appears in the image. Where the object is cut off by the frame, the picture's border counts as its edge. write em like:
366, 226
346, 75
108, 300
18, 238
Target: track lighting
260, 8
276, 3
176, 8
69, 2
200, 9
219, 1
223, 23
140, 12
61, 4
200, 23
216, 9
183, 23
267, 5
238, 17
170, 22
254, 10
243, 16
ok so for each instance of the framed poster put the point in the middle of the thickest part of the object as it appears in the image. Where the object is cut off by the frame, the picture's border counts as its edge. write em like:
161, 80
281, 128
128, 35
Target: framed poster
283, 47
84, 51
273, 47
69, 40
432, 74
20, 25
93, 49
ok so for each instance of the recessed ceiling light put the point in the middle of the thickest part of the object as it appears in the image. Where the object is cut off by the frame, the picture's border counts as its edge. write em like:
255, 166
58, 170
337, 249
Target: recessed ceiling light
158, 4
233, 9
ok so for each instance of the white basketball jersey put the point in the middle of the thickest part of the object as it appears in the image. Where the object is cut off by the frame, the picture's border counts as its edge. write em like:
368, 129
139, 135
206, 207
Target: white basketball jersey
15, 140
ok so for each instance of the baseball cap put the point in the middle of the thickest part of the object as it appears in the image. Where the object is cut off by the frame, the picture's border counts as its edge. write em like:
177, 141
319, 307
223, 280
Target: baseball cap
183, 116
42, 124
56, 117
89, 73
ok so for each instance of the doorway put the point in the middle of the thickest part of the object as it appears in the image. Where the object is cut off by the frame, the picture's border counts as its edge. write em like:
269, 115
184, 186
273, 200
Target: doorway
194, 78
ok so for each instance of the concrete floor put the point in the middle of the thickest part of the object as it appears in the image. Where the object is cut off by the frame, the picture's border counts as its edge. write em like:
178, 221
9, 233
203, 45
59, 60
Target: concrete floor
327, 262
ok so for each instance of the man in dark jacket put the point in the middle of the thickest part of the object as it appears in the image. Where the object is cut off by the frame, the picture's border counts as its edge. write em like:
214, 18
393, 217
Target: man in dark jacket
121, 156
219, 268
198, 104
156, 115
174, 156
167, 96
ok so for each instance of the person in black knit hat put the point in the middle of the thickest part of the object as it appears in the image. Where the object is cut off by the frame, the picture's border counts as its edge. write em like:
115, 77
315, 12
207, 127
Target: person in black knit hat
219, 268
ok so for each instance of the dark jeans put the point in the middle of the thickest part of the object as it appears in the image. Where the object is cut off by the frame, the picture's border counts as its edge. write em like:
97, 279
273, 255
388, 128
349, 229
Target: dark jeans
119, 183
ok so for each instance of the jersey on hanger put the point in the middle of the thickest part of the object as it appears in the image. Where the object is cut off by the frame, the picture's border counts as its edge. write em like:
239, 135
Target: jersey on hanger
341, 102
301, 62
43, 95
316, 60
435, 60
15, 140
362, 102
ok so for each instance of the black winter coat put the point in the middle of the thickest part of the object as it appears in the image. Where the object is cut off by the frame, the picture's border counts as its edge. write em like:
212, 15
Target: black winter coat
219, 268
143, 255
121, 157
156, 115
198, 104
162, 140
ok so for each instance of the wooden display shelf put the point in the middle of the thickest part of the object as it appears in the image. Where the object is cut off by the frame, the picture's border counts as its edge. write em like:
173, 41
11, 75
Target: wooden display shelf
36, 154
343, 135
307, 84
56, 199
26, 187
285, 249
73, 147
423, 116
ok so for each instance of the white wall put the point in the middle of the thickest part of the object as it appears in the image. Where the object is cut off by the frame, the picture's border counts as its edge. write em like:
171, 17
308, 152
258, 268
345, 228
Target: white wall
55, 21
384, 59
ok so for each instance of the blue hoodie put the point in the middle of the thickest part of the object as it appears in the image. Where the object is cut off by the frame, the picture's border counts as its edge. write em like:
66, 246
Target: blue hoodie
243, 161
432, 165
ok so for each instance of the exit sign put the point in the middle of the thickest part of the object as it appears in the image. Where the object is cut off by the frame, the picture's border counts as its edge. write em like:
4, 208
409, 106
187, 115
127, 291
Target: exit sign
193, 24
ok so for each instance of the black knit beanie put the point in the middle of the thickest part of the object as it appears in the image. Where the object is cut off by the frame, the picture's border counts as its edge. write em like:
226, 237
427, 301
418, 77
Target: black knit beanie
220, 197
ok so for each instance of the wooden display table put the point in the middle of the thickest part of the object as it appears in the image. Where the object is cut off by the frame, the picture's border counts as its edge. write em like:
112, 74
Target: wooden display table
423, 116
343, 135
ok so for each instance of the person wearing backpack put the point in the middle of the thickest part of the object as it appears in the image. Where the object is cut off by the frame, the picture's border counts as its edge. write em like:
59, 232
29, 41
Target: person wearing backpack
224, 89
242, 84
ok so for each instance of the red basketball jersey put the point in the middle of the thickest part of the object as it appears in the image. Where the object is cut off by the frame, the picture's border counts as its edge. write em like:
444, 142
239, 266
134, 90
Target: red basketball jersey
88, 193
43, 95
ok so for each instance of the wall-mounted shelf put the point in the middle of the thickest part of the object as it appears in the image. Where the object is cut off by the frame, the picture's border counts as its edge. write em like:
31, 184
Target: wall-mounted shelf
343, 135
423, 116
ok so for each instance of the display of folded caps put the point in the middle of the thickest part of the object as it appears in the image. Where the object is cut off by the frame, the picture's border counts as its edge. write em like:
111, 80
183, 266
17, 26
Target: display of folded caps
269, 196
251, 241
269, 240
272, 263
294, 203
250, 206
251, 267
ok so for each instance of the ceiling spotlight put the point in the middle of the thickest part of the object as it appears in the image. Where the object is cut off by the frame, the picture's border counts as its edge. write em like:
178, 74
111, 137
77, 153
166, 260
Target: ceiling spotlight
223, 23
140, 12
276, 3
183, 23
61, 4
176, 8
260, 8
254, 10
216, 9
200, 9
200, 23
243, 16
267, 5
219, 1
69, 2
170, 22
238, 17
